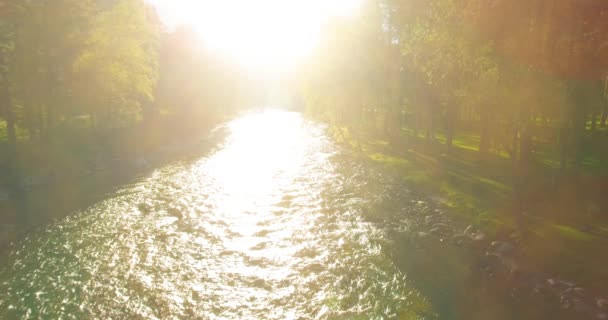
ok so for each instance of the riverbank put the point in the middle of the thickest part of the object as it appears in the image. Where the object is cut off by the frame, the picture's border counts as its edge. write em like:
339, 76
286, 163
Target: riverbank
552, 240
47, 181
268, 225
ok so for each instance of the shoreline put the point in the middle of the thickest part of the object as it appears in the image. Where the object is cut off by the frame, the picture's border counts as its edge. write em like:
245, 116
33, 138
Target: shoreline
498, 262
46, 198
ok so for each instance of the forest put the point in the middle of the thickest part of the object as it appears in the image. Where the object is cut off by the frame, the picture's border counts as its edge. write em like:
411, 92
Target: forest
90, 85
103, 66
498, 110
505, 92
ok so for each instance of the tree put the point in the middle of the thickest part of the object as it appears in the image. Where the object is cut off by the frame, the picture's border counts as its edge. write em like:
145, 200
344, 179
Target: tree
354, 72
48, 38
116, 72
7, 26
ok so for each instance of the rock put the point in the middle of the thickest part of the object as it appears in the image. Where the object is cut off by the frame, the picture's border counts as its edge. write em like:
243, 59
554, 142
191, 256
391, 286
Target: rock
511, 265
502, 248
468, 230
441, 225
516, 237
144, 208
559, 285
572, 296
434, 230
505, 261
579, 305
478, 237
175, 212
459, 237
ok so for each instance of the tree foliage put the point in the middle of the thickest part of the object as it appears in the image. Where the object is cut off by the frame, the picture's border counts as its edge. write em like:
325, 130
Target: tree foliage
101, 65
512, 72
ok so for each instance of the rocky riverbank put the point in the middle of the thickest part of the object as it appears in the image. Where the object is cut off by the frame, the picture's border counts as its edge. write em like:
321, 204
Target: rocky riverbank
468, 273
35, 199
460, 228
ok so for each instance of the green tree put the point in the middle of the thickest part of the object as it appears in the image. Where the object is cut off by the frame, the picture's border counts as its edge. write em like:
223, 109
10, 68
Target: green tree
116, 72
48, 38
9, 14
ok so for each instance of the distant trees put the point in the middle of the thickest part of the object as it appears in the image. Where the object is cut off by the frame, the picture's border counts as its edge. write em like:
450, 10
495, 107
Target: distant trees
194, 80
70, 58
88, 85
347, 76
7, 29
89, 67
514, 73
117, 70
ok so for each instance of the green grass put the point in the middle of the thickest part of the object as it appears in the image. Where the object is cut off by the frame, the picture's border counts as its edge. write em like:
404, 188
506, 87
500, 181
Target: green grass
481, 193
21, 133
389, 160
572, 233
3, 136
477, 192
454, 180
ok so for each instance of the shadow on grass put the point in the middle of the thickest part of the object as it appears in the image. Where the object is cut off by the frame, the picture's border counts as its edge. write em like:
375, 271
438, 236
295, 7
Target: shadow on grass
557, 217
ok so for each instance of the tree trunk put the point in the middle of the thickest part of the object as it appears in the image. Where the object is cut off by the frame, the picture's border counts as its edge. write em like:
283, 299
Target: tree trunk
604, 105
387, 123
604, 118
7, 106
50, 122
41, 130
514, 144
593, 121
563, 147
450, 127
484, 139
430, 129
525, 145
580, 127
9, 116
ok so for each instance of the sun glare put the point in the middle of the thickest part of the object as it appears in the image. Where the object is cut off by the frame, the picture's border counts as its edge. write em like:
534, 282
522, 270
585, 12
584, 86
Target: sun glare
268, 34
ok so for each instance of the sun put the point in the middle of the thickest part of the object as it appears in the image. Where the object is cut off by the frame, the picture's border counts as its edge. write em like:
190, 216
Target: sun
265, 34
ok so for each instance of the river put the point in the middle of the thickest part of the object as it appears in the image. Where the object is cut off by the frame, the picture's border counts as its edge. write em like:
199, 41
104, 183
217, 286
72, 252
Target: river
274, 222
265, 226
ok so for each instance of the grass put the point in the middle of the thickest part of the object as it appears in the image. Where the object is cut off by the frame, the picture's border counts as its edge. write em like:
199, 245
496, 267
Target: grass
454, 180
20, 132
79, 155
557, 233
573, 233
3, 132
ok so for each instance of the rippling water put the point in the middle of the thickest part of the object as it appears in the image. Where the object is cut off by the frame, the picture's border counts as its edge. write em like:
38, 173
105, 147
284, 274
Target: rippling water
266, 227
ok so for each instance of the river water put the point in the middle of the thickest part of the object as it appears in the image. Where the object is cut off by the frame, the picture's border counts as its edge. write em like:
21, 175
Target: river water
268, 225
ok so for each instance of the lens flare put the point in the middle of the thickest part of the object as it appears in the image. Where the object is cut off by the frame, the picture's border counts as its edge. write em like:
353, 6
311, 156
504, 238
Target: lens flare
267, 34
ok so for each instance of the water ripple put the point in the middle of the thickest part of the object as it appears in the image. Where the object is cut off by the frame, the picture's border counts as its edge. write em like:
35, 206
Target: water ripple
266, 227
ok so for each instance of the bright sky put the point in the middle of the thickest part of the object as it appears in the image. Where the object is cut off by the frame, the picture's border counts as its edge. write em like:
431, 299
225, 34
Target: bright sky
268, 34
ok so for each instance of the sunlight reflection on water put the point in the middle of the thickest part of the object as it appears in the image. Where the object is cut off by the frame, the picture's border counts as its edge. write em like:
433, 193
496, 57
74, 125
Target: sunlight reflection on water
264, 228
